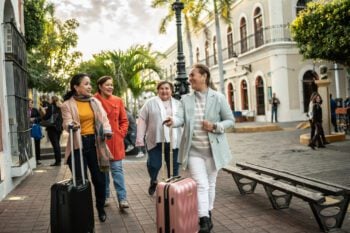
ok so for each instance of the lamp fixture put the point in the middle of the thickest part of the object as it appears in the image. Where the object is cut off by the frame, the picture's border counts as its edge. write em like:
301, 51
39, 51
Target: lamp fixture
247, 67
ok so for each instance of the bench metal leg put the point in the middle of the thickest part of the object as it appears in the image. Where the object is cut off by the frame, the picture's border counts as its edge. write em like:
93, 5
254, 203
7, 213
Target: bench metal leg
244, 187
334, 217
274, 198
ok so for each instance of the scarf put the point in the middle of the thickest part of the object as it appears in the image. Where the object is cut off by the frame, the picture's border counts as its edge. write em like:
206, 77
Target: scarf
163, 116
102, 151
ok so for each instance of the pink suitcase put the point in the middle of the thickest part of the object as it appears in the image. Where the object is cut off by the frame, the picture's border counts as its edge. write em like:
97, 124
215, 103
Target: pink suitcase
177, 207
177, 203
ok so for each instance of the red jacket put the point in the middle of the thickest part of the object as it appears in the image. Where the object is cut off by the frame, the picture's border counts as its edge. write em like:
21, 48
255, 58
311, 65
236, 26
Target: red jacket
118, 120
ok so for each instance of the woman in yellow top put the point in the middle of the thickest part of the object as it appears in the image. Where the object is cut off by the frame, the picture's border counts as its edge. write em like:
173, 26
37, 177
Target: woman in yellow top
90, 122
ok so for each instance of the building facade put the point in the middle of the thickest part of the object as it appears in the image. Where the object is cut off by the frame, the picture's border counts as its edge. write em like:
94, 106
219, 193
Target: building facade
260, 58
16, 157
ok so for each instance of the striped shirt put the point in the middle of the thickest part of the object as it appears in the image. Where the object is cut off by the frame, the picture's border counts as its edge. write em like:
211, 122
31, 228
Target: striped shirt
200, 140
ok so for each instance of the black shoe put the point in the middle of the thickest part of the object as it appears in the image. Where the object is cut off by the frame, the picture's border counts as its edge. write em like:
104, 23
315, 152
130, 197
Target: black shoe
102, 215
210, 221
204, 225
55, 164
321, 146
152, 188
312, 146
326, 143
38, 162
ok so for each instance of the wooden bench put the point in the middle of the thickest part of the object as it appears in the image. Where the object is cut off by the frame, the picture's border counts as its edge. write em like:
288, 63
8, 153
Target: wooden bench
328, 202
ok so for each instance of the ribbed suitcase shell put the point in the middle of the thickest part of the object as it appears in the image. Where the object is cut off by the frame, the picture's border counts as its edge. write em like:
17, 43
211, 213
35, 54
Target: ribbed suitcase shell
177, 207
71, 202
71, 208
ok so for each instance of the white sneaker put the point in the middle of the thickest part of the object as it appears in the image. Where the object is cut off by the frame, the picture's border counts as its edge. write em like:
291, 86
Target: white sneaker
129, 148
107, 202
140, 154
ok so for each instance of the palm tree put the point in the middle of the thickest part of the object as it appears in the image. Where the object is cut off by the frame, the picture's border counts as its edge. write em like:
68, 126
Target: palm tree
192, 11
125, 67
222, 9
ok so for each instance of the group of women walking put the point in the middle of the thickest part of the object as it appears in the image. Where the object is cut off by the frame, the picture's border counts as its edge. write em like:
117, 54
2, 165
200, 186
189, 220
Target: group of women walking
197, 123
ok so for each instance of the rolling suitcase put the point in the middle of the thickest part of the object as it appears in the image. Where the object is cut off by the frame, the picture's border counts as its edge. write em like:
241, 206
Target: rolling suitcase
71, 202
176, 204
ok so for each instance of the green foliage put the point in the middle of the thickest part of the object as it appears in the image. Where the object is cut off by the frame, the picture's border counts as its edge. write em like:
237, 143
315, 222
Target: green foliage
192, 11
125, 68
52, 60
34, 20
322, 31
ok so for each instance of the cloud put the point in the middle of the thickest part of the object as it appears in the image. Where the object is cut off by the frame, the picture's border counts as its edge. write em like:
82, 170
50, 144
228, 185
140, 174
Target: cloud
115, 24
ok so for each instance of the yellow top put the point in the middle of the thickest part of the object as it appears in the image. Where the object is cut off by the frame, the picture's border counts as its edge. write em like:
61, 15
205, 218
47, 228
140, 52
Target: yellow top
86, 116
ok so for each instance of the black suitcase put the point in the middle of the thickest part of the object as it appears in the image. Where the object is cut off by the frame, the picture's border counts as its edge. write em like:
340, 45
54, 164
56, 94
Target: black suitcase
71, 203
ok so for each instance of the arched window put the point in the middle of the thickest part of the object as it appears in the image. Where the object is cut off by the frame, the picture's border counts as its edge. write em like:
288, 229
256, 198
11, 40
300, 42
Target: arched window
214, 51
244, 95
197, 54
243, 34
301, 5
207, 53
230, 43
258, 28
230, 96
260, 96
309, 86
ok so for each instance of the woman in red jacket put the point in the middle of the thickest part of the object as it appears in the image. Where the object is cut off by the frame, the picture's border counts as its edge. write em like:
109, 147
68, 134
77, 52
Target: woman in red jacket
118, 120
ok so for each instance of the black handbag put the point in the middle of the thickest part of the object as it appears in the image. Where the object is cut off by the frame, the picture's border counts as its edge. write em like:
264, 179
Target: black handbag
52, 120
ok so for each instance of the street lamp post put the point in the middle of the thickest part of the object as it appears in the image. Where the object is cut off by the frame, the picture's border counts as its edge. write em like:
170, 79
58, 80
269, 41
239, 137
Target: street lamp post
181, 85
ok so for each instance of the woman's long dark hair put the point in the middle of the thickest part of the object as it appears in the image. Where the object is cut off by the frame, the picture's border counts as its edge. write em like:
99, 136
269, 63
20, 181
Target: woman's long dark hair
75, 81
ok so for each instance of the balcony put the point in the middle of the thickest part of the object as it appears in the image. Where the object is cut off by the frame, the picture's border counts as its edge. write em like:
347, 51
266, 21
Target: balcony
266, 36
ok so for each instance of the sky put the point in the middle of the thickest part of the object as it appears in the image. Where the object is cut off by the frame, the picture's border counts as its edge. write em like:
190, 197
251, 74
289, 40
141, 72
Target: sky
116, 24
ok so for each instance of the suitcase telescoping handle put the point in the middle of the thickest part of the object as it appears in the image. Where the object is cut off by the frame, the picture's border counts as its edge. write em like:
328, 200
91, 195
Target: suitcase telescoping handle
171, 155
71, 132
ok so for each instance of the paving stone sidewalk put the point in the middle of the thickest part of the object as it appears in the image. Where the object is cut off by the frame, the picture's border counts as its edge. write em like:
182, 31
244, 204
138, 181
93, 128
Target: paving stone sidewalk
27, 208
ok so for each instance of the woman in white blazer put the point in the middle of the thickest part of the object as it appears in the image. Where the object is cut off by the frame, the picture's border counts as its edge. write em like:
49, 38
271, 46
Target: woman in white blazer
150, 130
204, 150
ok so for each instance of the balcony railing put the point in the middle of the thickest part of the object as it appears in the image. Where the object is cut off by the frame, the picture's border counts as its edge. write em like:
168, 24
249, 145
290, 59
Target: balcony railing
268, 35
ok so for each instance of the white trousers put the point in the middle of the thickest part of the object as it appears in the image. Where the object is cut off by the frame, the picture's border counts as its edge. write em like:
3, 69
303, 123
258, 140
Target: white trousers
202, 170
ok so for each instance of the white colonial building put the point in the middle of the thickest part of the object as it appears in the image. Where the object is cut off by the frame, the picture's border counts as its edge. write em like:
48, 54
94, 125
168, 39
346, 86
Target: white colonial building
15, 142
260, 58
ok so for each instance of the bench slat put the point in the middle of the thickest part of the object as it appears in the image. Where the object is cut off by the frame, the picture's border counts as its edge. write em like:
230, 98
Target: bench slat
297, 179
298, 192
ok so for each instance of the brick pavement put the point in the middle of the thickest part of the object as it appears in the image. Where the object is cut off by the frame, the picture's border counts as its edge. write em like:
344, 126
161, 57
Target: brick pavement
26, 209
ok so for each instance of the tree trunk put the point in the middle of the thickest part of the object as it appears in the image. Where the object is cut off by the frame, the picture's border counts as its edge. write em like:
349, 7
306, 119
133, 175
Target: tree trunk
218, 37
189, 40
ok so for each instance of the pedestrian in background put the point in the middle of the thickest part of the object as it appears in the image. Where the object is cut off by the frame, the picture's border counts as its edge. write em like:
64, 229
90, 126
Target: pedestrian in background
54, 131
130, 138
319, 138
310, 116
333, 114
35, 118
204, 150
118, 120
150, 129
274, 106
91, 127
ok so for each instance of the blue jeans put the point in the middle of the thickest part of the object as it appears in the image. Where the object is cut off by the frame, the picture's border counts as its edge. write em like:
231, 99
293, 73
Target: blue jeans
118, 180
274, 113
154, 162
